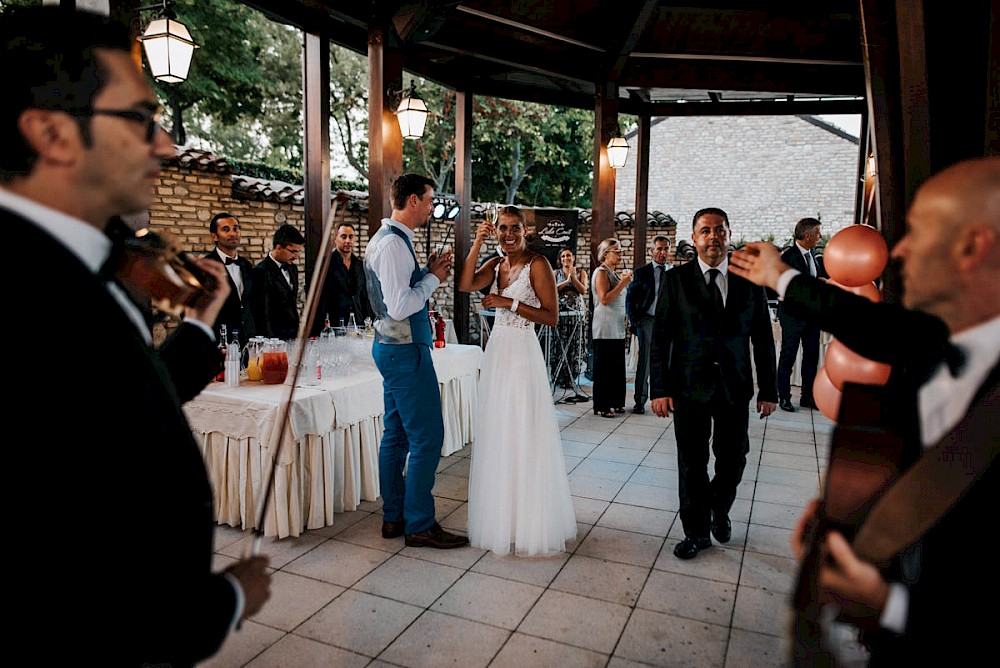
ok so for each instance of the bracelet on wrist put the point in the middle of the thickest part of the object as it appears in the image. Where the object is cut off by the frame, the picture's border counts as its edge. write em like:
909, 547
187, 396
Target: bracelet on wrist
513, 305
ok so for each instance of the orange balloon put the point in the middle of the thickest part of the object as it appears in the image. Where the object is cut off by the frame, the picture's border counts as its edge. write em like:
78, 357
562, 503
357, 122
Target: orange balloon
826, 395
845, 365
867, 290
855, 255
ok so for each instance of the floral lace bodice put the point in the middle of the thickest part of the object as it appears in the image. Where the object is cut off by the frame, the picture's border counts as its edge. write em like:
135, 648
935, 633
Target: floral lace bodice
521, 290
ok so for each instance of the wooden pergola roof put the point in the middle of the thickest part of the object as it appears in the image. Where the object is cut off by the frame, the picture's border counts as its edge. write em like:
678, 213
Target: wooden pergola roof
923, 75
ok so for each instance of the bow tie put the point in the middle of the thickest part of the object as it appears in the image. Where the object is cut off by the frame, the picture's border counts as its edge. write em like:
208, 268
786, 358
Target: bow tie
230, 261
954, 357
289, 266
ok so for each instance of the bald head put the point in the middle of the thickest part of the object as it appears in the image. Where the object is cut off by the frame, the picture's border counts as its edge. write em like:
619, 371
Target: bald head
951, 250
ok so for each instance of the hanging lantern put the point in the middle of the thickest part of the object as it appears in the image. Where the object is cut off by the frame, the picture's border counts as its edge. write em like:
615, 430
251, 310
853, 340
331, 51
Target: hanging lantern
617, 151
169, 48
412, 116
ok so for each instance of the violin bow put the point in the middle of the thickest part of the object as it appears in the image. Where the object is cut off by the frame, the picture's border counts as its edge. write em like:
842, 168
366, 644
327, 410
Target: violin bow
305, 326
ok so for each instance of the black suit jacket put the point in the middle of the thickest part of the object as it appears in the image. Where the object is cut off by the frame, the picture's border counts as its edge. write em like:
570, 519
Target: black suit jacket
641, 292
954, 579
118, 494
338, 298
274, 303
793, 258
688, 342
236, 313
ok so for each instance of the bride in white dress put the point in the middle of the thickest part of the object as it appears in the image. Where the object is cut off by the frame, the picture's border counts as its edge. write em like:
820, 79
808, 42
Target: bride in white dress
519, 497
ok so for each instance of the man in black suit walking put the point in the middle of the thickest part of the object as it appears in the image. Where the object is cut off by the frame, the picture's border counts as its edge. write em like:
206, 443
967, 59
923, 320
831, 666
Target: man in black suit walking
640, 307
235, 314
944, 349
274, 301
701, 372
794, 330
119, 474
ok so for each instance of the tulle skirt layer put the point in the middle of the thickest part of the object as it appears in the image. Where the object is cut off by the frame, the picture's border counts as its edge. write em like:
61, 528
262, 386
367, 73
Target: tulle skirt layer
519, 498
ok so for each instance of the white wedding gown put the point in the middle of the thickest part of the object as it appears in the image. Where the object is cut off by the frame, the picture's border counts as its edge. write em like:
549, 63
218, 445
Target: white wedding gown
519, 497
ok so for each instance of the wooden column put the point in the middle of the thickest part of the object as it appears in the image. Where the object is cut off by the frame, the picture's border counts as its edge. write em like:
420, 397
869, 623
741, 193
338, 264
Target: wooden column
640, 237
463, 191
882, 74
316, 144
602, 224
385, 141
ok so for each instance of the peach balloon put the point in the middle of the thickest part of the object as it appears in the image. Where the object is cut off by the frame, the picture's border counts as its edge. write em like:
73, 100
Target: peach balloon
844, 365
826, 395
855, 255
867, 290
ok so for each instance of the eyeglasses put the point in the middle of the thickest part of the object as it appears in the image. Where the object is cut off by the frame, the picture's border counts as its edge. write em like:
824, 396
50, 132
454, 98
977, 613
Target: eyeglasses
615, 251
151, 117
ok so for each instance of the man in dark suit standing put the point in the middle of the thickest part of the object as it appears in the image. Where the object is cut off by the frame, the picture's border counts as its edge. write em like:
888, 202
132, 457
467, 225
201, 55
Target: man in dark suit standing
944, 349
701, 371
235, 314
640, 307
274, 301
800, 256
120, 475
344, 290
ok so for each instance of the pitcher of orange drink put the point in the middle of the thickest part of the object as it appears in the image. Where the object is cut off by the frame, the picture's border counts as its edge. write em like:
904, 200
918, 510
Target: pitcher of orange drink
274, 362
254, 353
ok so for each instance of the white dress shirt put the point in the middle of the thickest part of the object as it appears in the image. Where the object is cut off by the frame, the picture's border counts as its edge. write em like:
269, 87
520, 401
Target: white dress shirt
722, 280
942, 402
393, 263
234, 271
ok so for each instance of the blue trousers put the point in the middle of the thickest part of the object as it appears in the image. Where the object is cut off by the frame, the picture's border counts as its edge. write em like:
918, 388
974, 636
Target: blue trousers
413, 427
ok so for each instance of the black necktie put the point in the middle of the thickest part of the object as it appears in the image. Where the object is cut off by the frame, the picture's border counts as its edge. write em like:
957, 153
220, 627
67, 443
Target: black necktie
713, 288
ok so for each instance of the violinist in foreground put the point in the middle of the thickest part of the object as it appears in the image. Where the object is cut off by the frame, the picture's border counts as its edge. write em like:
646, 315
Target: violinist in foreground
117, 495
925, 607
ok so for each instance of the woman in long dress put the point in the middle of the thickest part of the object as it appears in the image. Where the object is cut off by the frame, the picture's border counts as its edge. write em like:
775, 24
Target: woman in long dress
519, 497
609, 330
571, 284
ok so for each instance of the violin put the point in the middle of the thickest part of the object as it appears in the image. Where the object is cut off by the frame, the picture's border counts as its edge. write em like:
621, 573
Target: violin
154, 271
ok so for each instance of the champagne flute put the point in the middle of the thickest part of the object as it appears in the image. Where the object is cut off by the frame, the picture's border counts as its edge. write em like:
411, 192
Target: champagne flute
492, 214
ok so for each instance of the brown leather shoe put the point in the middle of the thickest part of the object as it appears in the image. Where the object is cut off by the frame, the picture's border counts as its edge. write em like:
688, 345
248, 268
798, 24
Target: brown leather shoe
393, 529
436, 537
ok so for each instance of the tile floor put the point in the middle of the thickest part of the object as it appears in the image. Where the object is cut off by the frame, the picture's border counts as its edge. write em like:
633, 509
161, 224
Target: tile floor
344, 596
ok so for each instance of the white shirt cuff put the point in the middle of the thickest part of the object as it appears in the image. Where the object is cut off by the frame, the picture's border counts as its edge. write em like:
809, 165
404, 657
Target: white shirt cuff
240, 601
784, 280
897, 606
204, 327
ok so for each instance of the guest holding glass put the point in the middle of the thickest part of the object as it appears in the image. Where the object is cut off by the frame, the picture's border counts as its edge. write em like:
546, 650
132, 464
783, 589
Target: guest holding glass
609, 330
571, 284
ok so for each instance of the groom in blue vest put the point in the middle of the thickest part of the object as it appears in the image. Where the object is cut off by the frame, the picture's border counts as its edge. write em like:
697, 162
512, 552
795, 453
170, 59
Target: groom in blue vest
398, 289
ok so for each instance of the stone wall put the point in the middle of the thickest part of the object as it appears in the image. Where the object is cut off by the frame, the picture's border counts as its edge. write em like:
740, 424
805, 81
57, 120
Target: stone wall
766, 172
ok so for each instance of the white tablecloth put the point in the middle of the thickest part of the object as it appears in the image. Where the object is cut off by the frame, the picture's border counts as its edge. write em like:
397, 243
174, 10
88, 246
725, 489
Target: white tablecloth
329, 460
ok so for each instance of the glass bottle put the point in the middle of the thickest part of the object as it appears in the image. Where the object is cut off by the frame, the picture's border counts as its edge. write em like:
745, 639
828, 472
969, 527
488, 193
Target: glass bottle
223, 349
439, 331
233, 354
352, 324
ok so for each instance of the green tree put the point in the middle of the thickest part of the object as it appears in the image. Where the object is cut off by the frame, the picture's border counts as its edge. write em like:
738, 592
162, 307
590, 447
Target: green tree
226, 82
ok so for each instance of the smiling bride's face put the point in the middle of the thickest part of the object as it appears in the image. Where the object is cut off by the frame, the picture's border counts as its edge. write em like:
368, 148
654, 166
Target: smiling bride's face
510, 233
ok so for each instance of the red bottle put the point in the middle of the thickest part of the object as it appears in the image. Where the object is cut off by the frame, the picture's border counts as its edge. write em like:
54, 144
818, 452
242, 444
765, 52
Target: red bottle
439, 331
223, 345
